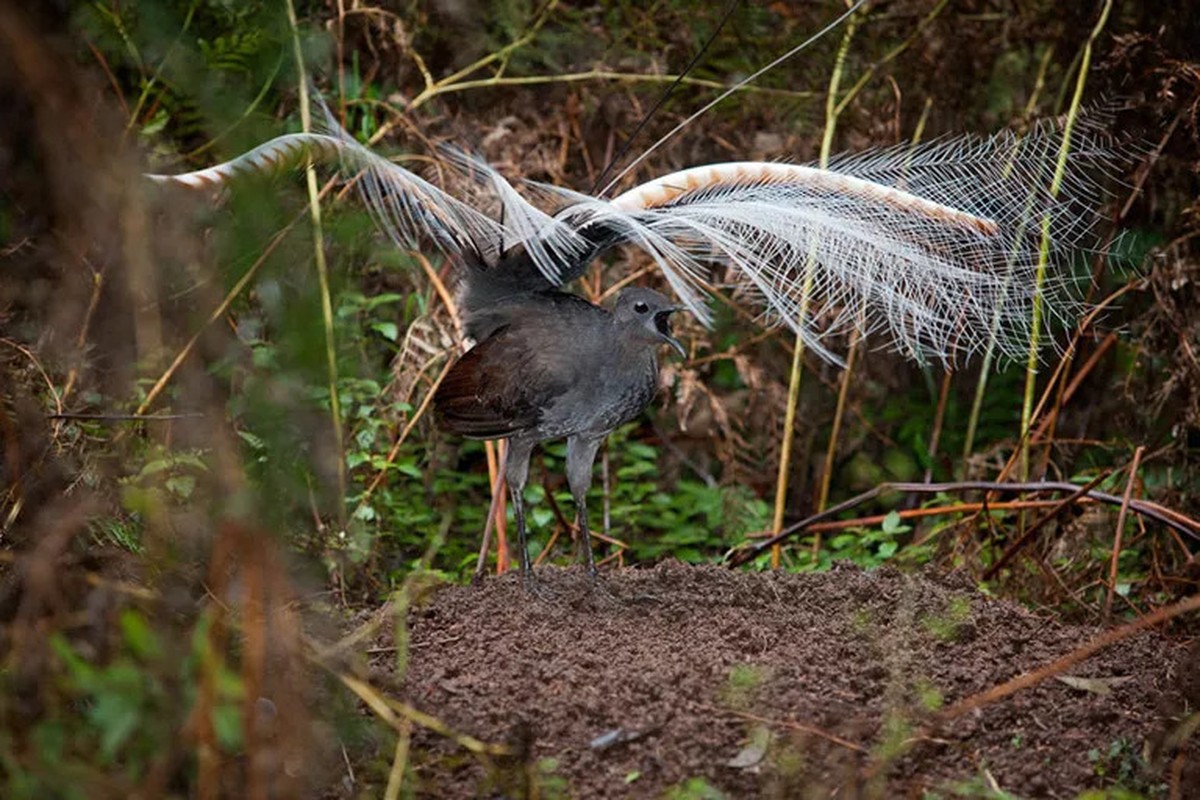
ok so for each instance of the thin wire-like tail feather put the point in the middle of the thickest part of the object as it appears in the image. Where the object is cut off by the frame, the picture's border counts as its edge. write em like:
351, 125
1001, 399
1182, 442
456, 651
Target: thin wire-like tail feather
552, 245
409, 209
935, 246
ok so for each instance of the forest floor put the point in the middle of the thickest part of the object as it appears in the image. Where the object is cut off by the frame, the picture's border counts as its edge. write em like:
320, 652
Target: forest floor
778, 685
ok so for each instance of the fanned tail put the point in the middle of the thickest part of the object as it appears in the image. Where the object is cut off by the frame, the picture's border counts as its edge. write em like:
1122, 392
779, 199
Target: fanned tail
935, 246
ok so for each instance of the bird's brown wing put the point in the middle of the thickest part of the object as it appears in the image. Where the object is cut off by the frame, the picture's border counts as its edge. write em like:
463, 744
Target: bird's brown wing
503, 385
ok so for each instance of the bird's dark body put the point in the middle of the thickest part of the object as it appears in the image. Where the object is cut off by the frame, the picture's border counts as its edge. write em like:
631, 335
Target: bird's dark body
550, 365
554, 367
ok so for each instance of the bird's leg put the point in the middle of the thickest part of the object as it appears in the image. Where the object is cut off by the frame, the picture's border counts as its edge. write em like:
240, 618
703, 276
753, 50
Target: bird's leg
581, 455
516, 472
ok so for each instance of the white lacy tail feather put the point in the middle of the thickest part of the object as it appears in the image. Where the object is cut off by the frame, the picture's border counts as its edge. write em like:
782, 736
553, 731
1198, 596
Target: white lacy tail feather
409, 209
936, 246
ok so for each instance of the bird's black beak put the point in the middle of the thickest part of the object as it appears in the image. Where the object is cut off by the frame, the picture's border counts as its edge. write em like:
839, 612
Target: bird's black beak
662, 321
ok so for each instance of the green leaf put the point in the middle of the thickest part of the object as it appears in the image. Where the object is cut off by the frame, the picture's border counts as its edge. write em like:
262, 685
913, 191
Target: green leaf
156, 123
893, 524
139, 635
181, 486
227, 724
409, 467
116, 713
388, 330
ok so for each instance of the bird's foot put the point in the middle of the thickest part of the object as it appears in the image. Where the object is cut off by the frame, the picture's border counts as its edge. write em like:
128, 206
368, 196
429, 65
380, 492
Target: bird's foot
599, 586
536, 587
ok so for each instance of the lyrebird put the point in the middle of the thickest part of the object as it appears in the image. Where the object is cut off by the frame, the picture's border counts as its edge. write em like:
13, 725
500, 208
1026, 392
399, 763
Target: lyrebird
936, 246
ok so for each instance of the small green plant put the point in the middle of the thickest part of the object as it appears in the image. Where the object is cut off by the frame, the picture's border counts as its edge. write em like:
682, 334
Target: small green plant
945, 627
867, 547
897, 729
694, 789
113, 713
1125, 770
929, 696
862, 622
550, 785
742, 686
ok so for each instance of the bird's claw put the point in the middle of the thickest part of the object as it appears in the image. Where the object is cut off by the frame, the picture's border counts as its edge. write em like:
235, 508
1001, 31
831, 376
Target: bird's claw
533, 586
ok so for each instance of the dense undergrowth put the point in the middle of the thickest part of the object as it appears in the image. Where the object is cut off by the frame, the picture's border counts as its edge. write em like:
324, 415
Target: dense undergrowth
175, 471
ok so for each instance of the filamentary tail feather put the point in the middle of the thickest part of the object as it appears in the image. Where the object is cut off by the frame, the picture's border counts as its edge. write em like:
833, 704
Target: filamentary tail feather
934, 246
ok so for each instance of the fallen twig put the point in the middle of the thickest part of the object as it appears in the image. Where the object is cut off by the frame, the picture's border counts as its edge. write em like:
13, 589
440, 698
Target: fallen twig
1081, 653
789, 724
1032, 530
1030, 679
1168, 517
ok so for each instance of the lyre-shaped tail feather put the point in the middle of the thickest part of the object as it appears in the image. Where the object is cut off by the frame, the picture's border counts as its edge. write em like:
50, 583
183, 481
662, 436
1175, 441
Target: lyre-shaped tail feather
937, 245
408, 208
278, 155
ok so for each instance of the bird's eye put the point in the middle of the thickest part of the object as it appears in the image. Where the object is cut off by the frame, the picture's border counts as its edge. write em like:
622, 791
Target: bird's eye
640, 307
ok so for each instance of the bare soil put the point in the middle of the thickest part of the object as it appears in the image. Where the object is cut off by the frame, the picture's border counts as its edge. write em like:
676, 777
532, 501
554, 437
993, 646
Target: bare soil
663, 676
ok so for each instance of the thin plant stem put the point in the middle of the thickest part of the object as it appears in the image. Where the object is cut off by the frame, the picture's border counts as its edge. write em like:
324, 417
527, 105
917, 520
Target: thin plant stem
503, 560
433, 88
890, 56
600, 75
217, 313
262, 93
785, 450
1062, 366
856, 338
149, 84
990, 354
810, 268
1116, 552
314, 207
399, 761
382, 474
985, 370
1031, 365
835, 432
848, 14
939, 421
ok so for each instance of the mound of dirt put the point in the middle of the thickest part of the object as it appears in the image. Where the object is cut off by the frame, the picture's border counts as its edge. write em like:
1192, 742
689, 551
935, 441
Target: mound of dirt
776, 685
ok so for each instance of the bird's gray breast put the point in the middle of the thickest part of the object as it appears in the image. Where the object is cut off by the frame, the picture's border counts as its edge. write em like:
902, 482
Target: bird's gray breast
614, 393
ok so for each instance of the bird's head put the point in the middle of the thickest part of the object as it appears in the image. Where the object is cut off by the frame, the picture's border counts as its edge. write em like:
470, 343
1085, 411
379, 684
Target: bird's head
647, 314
